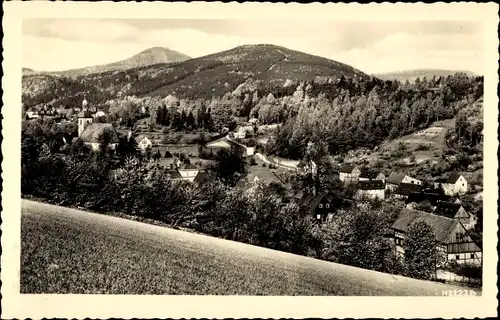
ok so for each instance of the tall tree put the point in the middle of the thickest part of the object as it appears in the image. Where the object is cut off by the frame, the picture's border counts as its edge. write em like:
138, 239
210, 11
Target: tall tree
421, 254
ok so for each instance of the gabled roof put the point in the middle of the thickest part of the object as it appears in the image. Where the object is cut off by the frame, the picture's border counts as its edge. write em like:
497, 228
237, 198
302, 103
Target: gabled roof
441, 226
85, 114
188, 166
452, 178
371, 185
396, 177
202, 177
433, 197
447, 209
174, 174
369, 174
93, 131
347, 168
407, 188
168, 161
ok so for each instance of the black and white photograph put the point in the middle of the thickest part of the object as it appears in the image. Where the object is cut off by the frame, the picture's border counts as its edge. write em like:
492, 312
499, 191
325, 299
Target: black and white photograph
253, 157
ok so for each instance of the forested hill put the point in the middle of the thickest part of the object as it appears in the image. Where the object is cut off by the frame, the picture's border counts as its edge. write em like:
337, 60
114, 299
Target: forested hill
144, 58
204, 77
412, 75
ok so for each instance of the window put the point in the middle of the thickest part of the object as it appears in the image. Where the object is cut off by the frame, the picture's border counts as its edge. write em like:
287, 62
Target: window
472, 256
320, 205
318, 217
328, 205
457, 257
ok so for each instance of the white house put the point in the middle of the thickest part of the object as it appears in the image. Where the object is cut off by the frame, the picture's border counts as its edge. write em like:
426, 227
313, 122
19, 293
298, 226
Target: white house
396, 178
242, 132
32, 114
143, 142
188, 171
452, 238
454, 184
372, 189
349, 173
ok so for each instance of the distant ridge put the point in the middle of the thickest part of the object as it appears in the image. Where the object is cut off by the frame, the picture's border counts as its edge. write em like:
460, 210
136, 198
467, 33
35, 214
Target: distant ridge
144, 58
411, 75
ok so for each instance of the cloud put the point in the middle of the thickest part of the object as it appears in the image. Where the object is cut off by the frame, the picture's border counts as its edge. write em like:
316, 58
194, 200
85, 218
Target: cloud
91, 30
371, 47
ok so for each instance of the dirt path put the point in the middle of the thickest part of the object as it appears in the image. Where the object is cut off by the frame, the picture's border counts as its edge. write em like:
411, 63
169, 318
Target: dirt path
285, 58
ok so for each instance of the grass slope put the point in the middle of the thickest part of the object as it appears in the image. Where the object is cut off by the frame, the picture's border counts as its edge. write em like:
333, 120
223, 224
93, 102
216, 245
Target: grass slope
69, 251
211, 75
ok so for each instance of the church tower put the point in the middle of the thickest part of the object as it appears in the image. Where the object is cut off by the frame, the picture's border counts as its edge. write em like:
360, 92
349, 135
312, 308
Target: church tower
84, 117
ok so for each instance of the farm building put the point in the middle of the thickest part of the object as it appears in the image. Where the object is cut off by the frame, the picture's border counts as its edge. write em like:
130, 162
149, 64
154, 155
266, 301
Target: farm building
396, 178
454, 184
349, 173
452, 238
373, 189
371, 175
456, 211
404, 190
433, 197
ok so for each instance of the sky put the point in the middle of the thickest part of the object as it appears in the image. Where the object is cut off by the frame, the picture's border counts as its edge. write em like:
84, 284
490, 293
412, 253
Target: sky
373, 47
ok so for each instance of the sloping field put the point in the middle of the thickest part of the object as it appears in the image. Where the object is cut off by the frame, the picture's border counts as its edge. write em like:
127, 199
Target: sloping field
70, 251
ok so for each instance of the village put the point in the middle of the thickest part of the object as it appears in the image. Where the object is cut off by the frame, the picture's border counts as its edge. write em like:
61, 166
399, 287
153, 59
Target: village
444, 212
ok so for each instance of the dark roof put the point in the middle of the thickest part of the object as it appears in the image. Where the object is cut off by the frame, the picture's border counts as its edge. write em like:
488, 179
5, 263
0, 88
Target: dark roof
201, 177
441, 226
85, 114
407, 188
174, 174
167, 161
369, 174
93, 131
188, 166
396, 177
347, 168
313, 204
371, 185
433, 197
447, 209
452, 178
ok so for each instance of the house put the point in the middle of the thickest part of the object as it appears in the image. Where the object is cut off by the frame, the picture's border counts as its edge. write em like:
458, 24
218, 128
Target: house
242, 132
93, 132
372, 189
395, 178
454, 184
371, 175
201, 178
456, 211
230, 145
432, 196
32, 114
143, 142
170, 163
188, 171
404, 190
349, 173
452, 238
